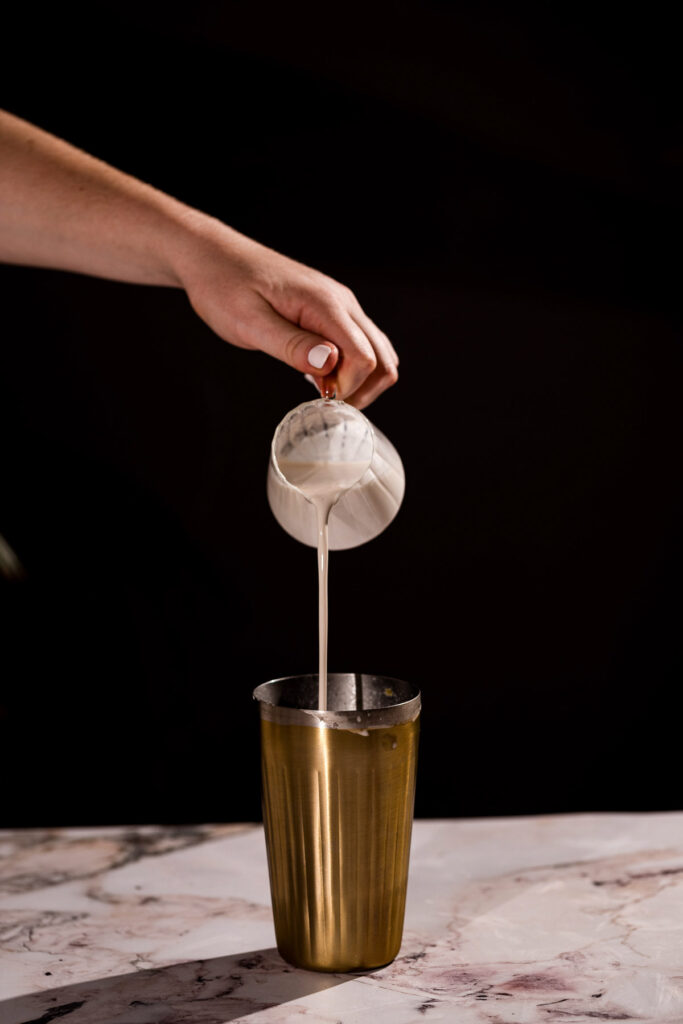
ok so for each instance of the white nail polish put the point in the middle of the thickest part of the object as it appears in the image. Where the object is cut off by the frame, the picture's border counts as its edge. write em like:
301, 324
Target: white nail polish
311, 380
318, 356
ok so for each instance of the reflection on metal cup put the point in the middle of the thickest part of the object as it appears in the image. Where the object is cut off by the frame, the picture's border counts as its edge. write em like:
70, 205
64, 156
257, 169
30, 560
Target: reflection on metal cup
338, 795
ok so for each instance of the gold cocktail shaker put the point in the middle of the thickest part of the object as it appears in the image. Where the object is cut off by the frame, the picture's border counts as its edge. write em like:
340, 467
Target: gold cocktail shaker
338, 794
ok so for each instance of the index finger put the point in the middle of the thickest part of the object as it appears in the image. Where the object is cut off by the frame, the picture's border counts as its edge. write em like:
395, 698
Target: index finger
357, 357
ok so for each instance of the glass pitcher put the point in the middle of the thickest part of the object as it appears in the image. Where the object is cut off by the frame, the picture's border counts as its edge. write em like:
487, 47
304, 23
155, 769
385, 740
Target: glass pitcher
330, 432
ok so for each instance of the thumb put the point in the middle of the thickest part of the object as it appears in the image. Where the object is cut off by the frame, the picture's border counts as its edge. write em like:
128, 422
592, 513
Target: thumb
306, 352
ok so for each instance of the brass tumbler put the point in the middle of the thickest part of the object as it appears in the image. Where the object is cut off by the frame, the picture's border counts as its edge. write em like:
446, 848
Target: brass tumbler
338, 794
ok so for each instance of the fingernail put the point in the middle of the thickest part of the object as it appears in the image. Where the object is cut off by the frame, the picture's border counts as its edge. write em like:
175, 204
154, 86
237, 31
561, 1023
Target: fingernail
311, 380
318, 356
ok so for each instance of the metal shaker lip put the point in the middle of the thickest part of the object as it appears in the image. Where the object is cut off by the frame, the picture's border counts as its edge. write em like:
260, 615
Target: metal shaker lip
357, 702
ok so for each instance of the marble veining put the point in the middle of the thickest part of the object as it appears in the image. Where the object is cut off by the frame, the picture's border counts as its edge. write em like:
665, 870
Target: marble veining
557, 919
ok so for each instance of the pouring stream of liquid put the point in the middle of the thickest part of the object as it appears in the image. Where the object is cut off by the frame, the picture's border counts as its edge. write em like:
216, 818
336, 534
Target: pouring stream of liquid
323, 562
323, 483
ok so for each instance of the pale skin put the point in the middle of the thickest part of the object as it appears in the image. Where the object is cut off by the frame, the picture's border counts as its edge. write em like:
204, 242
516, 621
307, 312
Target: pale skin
64, 209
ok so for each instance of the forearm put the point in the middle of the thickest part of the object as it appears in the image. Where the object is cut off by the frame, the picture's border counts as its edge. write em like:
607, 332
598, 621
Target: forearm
61, 208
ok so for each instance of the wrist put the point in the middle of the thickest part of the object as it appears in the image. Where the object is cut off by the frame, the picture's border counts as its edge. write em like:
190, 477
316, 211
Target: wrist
197, 243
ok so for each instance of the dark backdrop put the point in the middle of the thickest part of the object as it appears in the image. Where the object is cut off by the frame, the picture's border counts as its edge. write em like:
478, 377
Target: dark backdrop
501, 189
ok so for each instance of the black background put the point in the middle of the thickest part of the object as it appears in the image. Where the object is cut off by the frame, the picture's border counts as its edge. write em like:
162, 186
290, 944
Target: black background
501, 189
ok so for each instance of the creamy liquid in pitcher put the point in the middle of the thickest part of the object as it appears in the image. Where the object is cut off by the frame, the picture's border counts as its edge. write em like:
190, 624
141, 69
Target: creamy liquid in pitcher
322, 483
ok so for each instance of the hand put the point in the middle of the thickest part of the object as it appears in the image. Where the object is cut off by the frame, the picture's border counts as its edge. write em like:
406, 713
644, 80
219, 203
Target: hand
256, 298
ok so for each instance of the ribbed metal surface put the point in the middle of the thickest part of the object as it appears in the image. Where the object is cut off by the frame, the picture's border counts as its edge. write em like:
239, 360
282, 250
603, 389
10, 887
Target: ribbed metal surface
338, 807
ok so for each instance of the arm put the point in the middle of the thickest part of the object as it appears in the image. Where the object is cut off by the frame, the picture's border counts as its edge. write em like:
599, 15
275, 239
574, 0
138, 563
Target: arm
61, 208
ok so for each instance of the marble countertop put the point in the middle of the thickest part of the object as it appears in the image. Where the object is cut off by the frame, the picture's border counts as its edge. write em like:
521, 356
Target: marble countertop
575, 918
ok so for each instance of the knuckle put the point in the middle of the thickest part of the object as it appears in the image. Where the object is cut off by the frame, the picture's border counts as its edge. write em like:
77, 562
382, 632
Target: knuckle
391, 373
334, 308
293, 344
367, 363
